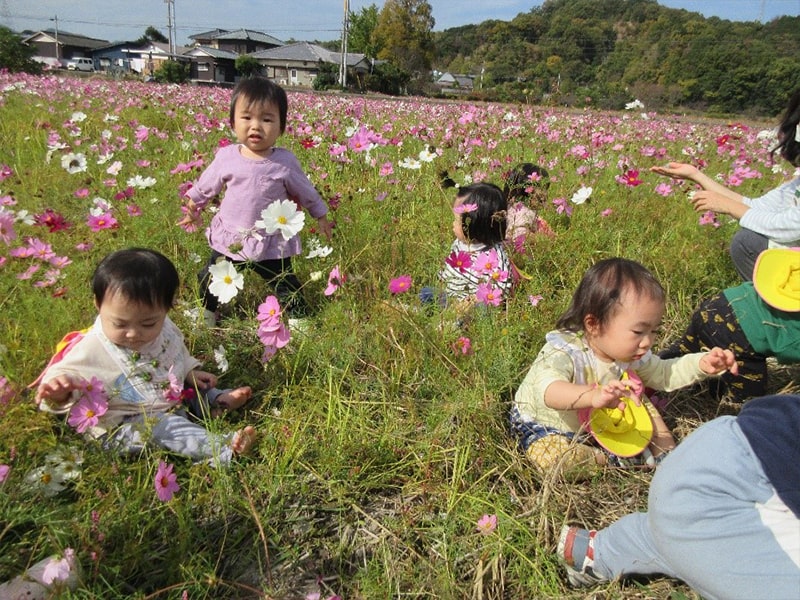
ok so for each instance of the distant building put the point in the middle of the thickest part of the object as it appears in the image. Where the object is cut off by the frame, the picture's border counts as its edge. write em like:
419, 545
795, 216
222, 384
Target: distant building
55, 48
239, 41
455, 84
299, 64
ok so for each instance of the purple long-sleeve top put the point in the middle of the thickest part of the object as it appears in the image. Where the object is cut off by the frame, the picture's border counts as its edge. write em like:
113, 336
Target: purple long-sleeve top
251, 186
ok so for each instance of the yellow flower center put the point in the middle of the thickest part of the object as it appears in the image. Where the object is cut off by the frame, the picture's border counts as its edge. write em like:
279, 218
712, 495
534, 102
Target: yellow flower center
282, 220
228, 279
90, 413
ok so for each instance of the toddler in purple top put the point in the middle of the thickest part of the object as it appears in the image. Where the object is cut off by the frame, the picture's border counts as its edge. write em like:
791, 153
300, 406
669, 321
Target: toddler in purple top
254, 174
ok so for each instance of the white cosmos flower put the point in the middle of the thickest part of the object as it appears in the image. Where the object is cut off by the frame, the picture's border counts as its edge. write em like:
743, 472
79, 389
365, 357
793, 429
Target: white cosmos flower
77, 117
141, 182
634, 104
47, 479
115, 168
221, 359
73, 163
410, 163
317, 250
282, 216
426, 155
315, 276
226, 281
109, 118
582, 195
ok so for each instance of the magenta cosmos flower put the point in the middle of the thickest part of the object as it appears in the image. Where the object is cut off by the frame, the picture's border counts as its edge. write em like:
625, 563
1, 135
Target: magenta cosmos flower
166, 482
487, 524
92, 405
460, 261
400, 285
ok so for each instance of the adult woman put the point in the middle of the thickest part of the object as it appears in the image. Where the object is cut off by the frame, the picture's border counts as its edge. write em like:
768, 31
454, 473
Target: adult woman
773, 220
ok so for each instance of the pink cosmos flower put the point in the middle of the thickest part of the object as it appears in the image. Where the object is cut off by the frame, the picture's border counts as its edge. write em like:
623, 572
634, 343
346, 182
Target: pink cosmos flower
84, 246
489, 295
39, 249
166, 482
87, 411
386, 169
607, 212
7, 232
134, 210
562, 206
465, 208
269, 311
709, 218
103, 221
461, 261
335, 279
5, 172
534, 300
486, 262
663, 189
174, 390
28, 273
487, 524
400, 285
4, 471
82, 193
462, 345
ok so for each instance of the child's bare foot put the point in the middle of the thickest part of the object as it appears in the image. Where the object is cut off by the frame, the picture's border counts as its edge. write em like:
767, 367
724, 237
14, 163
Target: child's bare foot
235, 398
243, 440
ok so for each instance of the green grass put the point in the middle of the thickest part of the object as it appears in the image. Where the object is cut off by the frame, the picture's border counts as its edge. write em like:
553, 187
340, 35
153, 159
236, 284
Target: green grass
380, 446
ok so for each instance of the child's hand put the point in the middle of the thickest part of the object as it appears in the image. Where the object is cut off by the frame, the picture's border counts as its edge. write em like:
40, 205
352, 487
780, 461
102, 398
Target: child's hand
58, 390
717, 361
191, 220
324, 227
610, 395
201, 379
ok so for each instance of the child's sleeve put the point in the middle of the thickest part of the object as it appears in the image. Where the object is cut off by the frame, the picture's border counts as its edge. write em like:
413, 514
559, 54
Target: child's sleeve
303, 191
550, 365
672, 373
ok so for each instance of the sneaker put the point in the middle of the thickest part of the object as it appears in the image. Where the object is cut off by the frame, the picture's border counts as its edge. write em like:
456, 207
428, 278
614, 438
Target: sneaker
580, 572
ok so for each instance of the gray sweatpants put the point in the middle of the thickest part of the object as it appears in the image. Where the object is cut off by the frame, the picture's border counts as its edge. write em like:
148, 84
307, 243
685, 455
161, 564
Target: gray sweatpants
177, 432
706, 523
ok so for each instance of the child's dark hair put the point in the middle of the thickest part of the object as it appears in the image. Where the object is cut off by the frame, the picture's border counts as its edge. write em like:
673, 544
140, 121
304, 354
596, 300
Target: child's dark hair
487, 223
601, 290
141, 275
518, 181
260, 90
789, 132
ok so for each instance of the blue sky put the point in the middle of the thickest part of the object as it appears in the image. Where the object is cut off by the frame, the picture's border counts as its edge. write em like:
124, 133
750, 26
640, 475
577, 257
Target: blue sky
116, 20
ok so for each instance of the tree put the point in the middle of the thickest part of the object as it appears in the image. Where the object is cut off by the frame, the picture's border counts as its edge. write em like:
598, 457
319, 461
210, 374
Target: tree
16, 56
247, 66
151, 34
404, 36
172, 71
362, 27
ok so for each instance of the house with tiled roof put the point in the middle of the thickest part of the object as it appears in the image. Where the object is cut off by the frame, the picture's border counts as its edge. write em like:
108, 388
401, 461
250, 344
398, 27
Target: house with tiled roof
212, 64
240, 41
299, 64
55, 48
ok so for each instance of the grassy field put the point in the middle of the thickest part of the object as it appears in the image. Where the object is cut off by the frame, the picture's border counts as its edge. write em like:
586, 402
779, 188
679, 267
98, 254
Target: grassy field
382, 444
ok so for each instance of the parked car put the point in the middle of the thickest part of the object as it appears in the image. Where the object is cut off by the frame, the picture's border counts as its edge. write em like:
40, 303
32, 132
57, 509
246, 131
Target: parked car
80, 64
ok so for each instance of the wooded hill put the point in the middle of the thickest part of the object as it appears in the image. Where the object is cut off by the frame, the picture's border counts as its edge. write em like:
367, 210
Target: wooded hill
606, 53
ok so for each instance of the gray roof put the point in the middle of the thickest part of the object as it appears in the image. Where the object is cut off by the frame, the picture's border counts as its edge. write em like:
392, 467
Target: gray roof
238, 34
307, 52
70, 39
212, 52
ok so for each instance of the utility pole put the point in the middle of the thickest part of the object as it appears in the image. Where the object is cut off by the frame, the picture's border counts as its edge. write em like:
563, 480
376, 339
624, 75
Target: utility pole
57, 49
171, 26
345, 30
